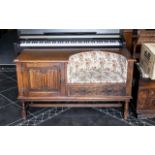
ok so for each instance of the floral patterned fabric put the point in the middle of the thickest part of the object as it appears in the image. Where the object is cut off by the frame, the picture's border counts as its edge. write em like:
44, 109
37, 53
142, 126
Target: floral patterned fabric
97, 67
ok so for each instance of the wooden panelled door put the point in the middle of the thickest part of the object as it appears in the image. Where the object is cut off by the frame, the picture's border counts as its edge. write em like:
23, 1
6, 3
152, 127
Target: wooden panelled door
43, 79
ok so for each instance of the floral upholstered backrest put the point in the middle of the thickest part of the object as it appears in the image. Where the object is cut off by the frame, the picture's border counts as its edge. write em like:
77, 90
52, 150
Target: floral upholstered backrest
97, 67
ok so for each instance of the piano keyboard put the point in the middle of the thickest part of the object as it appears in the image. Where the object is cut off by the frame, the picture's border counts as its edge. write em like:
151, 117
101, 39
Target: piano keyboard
70, 43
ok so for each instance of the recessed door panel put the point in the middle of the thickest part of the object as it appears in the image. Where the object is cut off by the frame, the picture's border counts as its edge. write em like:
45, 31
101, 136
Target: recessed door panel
43, 79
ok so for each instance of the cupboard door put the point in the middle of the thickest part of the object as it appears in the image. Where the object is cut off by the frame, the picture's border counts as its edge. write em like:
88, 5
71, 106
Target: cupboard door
43, 79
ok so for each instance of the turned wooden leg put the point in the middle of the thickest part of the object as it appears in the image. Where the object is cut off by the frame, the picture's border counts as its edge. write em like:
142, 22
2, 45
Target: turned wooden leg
126, 110
23, 110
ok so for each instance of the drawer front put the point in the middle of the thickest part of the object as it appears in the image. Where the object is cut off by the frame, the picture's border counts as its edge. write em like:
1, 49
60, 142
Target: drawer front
96, 90
146, 99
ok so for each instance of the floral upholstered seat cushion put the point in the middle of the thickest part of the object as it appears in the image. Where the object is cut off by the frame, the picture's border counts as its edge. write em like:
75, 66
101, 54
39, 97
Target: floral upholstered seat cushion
97, 67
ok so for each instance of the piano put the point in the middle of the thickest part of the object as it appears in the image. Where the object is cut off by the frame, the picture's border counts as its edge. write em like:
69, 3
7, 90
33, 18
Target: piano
70, 38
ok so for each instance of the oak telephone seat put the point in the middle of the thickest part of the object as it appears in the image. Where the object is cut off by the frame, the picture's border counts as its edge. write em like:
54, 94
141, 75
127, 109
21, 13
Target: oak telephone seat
101, 76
